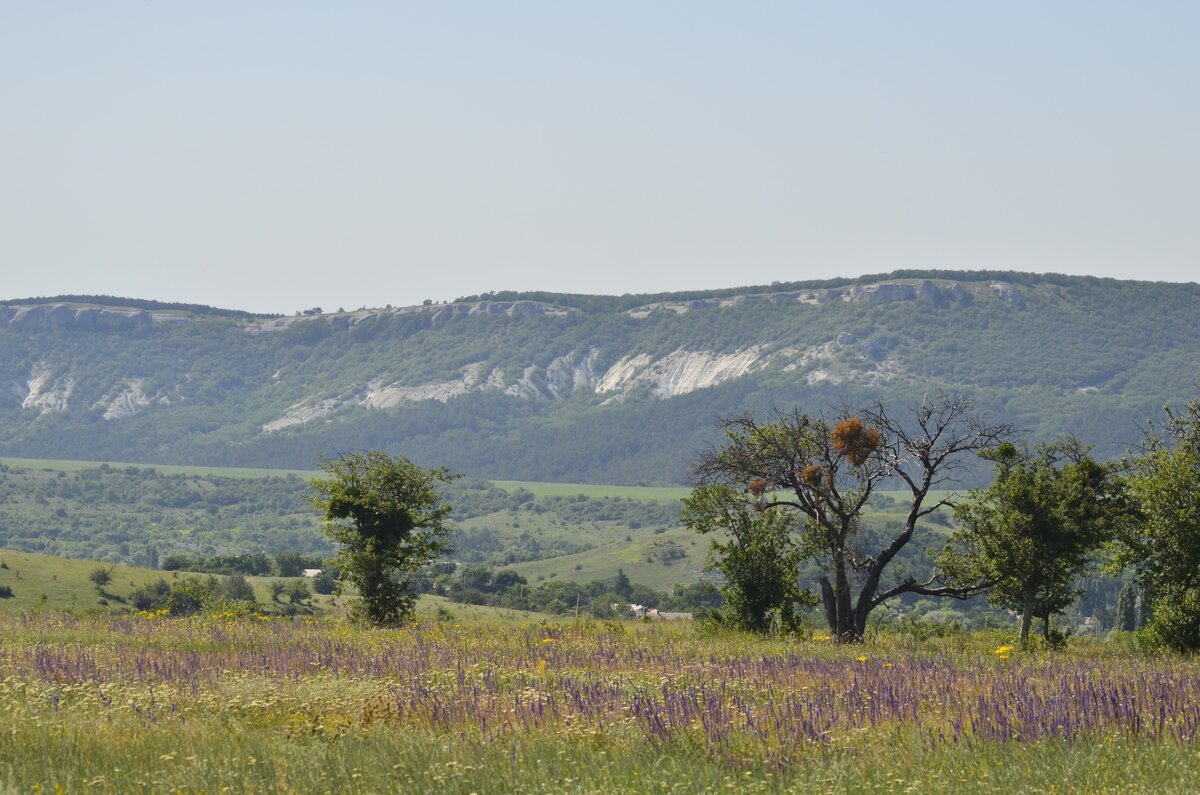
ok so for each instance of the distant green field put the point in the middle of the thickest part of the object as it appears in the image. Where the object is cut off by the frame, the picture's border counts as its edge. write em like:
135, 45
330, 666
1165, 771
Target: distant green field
63, 465
52, 583
658, 493
62, 583
45, 581
647, 559
430, 606
592, 491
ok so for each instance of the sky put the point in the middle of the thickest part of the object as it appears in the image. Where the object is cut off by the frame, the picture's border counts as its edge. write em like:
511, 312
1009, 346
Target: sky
274, 156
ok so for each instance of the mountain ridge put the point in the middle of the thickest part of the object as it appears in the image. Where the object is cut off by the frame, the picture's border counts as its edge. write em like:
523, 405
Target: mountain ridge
549, 386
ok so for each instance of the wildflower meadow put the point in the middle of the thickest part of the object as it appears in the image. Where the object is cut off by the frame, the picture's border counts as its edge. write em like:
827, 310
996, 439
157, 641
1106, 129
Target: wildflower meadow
230, 703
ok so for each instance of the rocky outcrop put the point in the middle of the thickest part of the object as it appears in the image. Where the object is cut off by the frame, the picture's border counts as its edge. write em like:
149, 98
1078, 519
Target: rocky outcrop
303, 413
873, 350
1008, 294
677, 373
80, 317
682, 307
528, 386
571, 374
887, 292
937, 293
44, 392
438, 314
443, 314
623, 372
130, 400
379, 396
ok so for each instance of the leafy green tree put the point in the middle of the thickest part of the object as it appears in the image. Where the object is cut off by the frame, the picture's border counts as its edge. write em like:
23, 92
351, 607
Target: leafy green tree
475, 578
1127, 608
150, 596
1163, 541
602, 606
276, 589
297, 592
824, 471
289, 564
760, 559
233, 588
324, 583
100, 577
622, 585
507, 579
189, 595
389, 519
1032, 533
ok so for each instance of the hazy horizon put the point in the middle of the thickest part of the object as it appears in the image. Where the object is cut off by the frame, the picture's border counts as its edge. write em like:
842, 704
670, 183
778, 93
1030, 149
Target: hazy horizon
283, 156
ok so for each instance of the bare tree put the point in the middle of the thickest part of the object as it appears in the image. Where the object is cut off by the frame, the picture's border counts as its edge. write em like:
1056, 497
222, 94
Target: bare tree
826, 470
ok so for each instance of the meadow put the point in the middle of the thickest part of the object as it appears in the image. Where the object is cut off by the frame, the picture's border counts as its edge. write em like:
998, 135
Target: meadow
498, 703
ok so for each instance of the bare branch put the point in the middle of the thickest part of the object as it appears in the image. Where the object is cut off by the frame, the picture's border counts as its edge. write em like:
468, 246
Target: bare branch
928, 588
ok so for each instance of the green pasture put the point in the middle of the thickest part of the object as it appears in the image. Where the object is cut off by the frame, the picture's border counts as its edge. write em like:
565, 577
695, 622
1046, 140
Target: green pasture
53, 583
593, 491
547, 489
64, 465
647, 559
47, 583
62, 583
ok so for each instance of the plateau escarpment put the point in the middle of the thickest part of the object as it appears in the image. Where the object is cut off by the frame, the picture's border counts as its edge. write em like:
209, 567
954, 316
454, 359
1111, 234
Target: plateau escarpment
565, 387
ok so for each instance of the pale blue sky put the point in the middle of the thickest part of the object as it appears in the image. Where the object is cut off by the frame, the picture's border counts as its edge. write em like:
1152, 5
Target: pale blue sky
276, 156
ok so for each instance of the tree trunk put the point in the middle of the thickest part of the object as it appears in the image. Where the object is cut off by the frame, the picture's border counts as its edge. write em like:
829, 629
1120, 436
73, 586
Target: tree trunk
845, 614
860, 624
866, 597
830, 602
1027, 612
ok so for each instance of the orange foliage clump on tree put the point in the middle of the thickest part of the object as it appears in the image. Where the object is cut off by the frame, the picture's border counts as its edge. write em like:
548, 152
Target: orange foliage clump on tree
757, 487
811, 475
854, 440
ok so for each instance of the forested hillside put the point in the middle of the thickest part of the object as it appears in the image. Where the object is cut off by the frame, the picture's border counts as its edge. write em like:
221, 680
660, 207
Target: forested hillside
540, 386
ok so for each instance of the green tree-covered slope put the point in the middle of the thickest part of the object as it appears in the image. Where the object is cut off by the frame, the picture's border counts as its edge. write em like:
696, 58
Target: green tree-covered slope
541, 386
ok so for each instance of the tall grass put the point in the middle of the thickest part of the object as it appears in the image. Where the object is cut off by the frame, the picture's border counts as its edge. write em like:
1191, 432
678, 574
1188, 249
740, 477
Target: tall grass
202, 704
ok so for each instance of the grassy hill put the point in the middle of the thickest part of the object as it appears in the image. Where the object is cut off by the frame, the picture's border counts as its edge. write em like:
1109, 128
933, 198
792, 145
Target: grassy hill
45, 582
54, 583
62, 583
